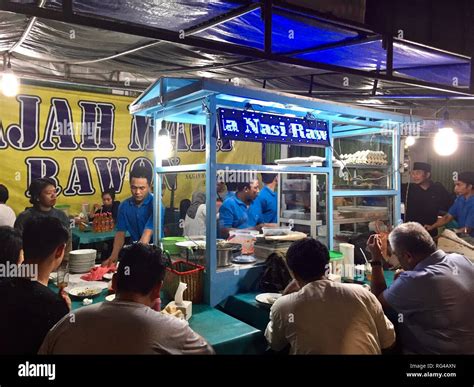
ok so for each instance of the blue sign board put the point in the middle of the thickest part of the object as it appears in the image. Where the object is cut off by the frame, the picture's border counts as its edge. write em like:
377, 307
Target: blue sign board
243, 125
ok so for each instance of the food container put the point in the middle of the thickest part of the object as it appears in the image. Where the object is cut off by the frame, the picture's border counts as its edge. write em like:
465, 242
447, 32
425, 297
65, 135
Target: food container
276, 231
169, 244
246, 238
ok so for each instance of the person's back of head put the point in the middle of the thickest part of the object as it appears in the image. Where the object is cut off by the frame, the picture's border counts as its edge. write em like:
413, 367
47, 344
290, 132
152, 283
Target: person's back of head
269, 178
411, 243
10, 245
141, 269
42, 237
3, 194
308, 259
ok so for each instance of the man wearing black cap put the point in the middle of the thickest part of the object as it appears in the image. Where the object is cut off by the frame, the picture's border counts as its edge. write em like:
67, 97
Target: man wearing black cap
463, 208
424, 200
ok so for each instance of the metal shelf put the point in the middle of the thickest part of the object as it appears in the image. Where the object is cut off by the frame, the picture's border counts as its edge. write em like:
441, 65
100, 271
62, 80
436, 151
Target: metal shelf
364, 166
356, 220
302, 222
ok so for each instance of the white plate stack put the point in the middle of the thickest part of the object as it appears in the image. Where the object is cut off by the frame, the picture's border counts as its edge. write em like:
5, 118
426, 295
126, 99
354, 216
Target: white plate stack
82, 261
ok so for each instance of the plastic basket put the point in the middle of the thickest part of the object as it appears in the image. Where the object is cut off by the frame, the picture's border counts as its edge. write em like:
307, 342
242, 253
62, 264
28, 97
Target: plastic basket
189, 273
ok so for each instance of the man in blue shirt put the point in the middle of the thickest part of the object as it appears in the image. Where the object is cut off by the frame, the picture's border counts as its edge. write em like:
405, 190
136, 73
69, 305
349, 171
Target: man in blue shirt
267, 198
433, 297
135, 214
240, 210
463, 208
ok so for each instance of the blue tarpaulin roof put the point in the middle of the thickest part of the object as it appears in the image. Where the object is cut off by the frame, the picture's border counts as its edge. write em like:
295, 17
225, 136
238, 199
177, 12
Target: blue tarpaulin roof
310, 52
290, 31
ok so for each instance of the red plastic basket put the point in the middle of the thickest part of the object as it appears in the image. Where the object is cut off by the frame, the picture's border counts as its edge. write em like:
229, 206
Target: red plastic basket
189, 273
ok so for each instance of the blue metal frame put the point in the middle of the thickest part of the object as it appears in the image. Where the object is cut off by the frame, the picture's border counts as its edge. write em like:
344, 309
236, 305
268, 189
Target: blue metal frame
201, 98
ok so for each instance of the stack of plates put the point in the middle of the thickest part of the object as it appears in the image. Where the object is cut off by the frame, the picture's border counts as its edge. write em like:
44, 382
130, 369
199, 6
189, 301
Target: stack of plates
81, 261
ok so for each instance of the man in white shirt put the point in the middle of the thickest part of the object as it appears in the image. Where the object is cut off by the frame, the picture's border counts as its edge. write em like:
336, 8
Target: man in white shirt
7, 216
131, 323
325, 317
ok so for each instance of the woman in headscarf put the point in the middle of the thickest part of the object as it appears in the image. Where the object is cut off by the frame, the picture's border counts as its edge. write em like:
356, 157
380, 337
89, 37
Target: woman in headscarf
195, 220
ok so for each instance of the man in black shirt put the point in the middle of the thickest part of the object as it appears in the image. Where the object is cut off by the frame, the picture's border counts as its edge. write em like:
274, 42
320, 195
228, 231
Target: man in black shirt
29, 308
424, 200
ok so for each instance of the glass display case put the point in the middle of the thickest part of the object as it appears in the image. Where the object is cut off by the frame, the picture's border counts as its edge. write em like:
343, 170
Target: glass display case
365, 186
363, 162
355, 218
303, 199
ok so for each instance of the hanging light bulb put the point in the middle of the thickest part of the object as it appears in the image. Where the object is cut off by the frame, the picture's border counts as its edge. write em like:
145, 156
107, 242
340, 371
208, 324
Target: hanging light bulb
445, 142
9, 82
163, 145
410, 141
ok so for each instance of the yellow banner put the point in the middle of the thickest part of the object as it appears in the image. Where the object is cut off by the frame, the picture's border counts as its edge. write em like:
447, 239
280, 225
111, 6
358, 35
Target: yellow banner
88, 142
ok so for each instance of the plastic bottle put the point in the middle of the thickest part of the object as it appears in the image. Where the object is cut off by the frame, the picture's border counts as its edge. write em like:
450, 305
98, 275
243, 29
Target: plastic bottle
94, 224
100, 222
109, 221
112, 223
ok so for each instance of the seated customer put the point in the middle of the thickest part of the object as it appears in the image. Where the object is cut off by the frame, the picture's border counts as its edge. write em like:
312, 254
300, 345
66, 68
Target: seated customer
10, 245
127, 325
325, 317
434, 296
29, 308
109, 204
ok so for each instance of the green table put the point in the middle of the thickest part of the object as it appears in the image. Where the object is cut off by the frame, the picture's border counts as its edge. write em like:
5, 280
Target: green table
226, 334
84, 238
244, 307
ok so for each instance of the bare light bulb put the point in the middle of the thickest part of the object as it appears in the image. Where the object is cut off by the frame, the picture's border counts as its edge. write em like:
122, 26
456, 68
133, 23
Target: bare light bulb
410, 141
163, 145
445, 142
10, 84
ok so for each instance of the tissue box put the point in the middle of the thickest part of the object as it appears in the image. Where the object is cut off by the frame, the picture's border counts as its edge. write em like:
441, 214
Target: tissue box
186, 308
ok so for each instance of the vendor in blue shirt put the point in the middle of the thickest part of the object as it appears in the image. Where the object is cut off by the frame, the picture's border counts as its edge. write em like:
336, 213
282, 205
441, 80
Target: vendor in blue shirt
463, 208
267, 198
135, 214
240, 210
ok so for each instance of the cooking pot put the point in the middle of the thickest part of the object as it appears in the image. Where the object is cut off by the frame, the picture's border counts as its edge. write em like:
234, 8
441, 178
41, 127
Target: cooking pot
226, 252
194, 251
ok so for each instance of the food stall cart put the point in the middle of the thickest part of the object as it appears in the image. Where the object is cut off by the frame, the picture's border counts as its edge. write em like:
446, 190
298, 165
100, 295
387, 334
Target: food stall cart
340, 197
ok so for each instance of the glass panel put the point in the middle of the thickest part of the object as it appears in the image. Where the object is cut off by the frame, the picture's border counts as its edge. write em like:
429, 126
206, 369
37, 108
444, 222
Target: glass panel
365, 162
356, 218
303, 203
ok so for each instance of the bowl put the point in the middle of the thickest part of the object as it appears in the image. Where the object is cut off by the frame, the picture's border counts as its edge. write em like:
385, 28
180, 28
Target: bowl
169, 244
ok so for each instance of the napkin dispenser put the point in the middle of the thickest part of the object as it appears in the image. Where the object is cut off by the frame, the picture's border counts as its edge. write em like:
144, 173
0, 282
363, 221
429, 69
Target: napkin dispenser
186, 307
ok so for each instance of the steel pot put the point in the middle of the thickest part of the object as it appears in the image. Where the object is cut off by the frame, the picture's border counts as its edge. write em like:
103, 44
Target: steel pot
226, 252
